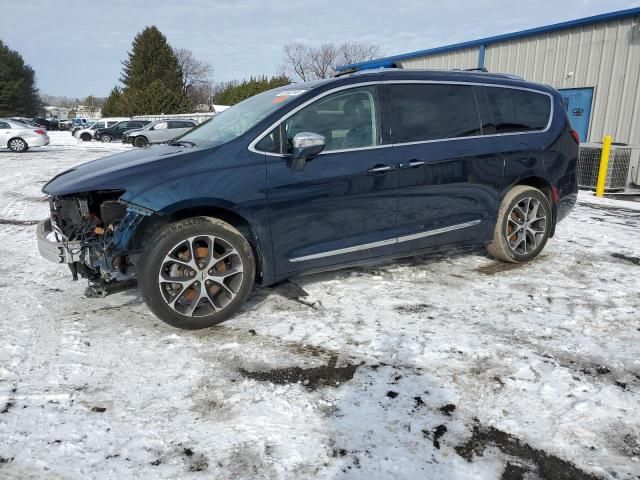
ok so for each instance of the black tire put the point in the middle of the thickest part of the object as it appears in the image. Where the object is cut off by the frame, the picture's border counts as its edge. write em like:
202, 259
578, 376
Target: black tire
158, 295
141, 141
85, 137
106, 138
510, 222
17, 145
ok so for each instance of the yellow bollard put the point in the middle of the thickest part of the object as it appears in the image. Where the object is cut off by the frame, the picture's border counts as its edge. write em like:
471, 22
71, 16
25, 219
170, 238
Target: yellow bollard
604, 165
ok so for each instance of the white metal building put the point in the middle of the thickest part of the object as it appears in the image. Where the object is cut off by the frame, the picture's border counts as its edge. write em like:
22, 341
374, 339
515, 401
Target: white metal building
594, 62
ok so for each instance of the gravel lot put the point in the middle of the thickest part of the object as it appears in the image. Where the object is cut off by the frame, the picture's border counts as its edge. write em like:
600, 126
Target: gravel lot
447, 367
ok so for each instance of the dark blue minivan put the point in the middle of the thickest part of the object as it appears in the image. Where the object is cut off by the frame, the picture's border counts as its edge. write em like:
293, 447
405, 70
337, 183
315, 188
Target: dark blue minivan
313, 176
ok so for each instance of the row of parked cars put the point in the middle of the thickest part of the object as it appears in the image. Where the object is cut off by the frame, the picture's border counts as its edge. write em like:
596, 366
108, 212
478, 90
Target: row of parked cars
137, 132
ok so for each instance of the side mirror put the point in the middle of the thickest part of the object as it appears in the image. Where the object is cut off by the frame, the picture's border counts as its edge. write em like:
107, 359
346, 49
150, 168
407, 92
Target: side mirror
305, 145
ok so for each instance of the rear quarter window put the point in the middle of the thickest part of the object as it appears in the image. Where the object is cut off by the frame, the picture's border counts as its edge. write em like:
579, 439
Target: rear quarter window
515, 110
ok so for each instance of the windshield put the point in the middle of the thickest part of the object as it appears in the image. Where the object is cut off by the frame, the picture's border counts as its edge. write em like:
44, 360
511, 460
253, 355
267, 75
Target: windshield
238, 119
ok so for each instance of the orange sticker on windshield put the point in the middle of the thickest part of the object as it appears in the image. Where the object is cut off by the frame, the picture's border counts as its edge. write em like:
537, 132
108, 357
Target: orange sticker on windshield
279, 99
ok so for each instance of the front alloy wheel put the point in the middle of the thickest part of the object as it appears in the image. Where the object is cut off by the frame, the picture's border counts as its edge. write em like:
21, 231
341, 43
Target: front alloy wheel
200, 275
196, 272
141, 141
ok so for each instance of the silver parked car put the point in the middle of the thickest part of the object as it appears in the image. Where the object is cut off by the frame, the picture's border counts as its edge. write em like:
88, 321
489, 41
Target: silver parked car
19, 137
159, 131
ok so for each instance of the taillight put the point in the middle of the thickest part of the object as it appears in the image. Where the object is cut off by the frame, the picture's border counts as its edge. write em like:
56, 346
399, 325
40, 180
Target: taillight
575, 135
41, 132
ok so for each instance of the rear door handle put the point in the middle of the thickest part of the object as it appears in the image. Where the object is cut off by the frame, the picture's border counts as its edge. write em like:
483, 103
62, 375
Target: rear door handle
380, 169
411, 164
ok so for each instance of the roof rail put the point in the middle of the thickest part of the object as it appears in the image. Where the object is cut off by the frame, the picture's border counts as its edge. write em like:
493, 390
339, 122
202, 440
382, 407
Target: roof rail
351, 70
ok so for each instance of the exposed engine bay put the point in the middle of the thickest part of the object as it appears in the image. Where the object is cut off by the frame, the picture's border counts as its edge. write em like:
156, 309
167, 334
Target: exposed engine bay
98, 227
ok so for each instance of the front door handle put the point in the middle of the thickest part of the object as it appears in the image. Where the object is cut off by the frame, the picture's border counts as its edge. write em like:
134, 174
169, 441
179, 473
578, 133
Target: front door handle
380, 169
411, 164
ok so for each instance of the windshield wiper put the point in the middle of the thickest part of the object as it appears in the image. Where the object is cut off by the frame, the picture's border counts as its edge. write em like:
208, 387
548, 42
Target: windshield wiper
179, 143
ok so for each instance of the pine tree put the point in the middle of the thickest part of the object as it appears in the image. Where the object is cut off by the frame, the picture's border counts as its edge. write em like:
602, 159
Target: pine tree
155, 99
152, 77
18, 92
151, 59
113, 104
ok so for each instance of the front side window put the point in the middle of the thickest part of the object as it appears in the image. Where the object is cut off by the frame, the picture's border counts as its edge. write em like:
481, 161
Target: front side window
346, 119
4, 125
515, 110
422, 112
161, 126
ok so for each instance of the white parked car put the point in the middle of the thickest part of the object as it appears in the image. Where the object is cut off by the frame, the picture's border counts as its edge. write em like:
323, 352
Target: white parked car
158, 132
19, 137
88, 133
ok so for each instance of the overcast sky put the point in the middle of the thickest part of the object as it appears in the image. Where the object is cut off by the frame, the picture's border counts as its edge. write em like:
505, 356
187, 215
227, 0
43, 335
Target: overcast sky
76, 47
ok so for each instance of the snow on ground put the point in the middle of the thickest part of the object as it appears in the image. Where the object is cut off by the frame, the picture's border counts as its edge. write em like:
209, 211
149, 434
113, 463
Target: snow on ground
447, 367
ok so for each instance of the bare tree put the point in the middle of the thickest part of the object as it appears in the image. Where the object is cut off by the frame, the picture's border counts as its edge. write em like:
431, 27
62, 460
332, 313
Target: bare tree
296, 58
354, 52
312, 63
194, 72
323, 60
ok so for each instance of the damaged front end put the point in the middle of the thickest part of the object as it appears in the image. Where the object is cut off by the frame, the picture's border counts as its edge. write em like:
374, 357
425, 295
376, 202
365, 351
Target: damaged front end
92, 233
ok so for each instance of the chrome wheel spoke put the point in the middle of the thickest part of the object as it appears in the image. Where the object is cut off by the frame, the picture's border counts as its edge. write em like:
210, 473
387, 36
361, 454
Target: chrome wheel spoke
215, 260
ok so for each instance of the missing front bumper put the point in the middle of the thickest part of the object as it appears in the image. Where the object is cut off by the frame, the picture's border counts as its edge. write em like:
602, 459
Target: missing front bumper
53, 250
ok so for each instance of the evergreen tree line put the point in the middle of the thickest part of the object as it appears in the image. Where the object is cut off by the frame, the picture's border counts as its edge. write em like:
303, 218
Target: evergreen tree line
234, 92
18, 93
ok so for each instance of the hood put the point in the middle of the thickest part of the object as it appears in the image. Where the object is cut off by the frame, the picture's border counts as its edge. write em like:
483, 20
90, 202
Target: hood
116, 172
135, 131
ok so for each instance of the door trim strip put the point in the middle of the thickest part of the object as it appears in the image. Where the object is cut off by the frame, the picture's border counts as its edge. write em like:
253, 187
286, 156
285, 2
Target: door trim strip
428, 233
383, 243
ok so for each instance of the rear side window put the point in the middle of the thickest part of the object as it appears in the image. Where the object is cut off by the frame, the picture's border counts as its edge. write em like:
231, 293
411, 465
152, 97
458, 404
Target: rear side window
4, 125
516, 110
432, 112
180, 124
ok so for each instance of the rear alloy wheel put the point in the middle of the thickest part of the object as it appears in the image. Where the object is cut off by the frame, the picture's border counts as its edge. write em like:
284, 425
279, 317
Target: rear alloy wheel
196, 273
141, 141
85, 137
106, 138
523, 225
18, 145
